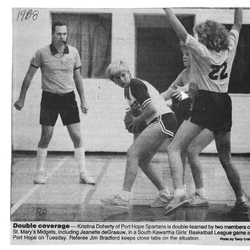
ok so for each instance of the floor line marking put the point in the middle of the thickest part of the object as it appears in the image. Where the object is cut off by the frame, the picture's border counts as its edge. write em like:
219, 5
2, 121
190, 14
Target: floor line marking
98, 180
37, 186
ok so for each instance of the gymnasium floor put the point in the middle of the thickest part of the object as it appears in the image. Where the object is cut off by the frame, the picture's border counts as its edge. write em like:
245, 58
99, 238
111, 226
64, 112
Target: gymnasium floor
62, 198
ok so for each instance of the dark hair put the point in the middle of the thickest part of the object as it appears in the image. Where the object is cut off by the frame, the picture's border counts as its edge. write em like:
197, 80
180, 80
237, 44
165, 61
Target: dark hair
213, 35
57, 23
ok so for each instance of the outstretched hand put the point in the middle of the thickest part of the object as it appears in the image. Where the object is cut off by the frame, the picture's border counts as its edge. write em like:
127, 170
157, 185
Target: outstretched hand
179, 94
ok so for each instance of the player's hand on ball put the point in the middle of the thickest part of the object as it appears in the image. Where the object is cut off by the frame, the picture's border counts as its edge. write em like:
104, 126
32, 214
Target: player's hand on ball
130, 122
134, 125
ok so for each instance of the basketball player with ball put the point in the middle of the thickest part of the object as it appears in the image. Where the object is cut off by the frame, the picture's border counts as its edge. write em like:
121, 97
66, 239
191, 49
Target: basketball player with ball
148, 106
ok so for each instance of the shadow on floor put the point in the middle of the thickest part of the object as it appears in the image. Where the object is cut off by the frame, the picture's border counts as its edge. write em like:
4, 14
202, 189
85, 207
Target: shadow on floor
137, 213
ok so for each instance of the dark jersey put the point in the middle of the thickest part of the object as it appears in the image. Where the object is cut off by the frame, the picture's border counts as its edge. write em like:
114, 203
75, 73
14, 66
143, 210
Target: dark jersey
140, 93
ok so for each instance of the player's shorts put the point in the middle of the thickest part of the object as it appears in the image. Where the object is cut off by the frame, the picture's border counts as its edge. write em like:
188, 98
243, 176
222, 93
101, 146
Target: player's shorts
212, 110
54, 104
182, 109
167, 122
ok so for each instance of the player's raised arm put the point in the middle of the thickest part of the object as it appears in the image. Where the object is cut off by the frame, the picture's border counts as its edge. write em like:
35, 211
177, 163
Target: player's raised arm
176, 24
238, 17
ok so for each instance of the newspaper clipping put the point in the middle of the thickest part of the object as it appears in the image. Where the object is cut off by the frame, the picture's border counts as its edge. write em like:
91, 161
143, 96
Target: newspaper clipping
121, 233
86, 171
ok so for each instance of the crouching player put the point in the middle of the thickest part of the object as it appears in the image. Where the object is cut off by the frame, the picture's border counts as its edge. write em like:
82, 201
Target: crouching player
161, 125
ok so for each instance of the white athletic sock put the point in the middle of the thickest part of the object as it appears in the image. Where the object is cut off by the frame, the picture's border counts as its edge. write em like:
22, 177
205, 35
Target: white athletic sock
241, 199
179, 192
41, 157
164, 192
80, 158
200, 191
125, 195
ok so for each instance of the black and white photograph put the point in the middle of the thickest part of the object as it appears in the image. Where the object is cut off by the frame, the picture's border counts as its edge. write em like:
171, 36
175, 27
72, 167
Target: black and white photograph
130, 125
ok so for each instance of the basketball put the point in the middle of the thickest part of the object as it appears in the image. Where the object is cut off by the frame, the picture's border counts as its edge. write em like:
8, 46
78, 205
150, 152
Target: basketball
128, 119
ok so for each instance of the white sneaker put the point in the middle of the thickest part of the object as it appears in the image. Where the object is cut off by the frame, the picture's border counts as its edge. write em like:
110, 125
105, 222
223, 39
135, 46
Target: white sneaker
196, 200
116, 201
40, 177
161, 201
86, 178
176, 203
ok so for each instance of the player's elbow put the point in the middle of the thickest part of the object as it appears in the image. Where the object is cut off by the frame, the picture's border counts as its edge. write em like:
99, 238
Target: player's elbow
183, 36
237, 26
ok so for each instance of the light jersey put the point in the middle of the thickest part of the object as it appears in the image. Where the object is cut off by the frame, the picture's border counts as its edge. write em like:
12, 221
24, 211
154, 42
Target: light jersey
181, 80
210, 70
141, 93
57, 71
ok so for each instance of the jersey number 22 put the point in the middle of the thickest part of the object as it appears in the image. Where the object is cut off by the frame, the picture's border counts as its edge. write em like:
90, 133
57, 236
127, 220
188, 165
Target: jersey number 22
218, 72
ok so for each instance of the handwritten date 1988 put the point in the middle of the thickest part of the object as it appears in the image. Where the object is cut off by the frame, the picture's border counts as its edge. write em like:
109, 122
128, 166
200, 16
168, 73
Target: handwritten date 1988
27, 14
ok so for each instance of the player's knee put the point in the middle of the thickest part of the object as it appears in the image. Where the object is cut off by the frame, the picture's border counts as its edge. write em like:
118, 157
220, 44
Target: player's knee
171, 149
168, 149
131, 153
77, 140
191, 153
143, 158
46, 138
226, 160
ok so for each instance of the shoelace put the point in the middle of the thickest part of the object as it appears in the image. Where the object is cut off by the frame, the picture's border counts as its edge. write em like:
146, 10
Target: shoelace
117, 196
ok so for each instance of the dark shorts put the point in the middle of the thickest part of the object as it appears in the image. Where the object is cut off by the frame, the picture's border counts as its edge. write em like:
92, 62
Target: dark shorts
213, 111
181, 109
54, 104
168, 123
